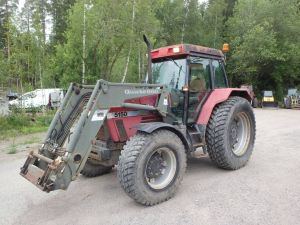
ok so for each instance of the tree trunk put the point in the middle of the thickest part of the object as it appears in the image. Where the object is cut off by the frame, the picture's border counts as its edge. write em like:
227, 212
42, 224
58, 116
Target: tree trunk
130, 46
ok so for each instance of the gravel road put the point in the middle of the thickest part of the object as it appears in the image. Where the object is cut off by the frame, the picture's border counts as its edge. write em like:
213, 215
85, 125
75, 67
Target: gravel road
266, 191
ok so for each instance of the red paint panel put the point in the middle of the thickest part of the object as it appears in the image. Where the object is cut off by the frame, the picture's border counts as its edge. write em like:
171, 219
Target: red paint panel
217, 96
184, 49
167, 52
128, 122
113, 130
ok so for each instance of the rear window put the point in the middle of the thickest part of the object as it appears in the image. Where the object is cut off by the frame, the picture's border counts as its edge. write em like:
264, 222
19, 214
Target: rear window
268, 94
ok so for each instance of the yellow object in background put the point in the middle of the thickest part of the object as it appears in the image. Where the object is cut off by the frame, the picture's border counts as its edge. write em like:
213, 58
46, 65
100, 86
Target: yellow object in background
268, 99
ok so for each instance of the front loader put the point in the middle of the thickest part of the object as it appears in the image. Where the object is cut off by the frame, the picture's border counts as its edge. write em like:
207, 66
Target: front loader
148, 130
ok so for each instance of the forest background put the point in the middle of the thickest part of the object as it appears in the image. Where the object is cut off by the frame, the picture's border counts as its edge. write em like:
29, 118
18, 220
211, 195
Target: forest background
50, 43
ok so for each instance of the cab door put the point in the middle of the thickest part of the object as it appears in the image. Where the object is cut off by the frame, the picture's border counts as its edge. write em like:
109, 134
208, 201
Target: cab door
199, 85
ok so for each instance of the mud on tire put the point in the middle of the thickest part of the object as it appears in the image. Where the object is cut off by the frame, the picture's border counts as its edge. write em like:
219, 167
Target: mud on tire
230, 133
141, 155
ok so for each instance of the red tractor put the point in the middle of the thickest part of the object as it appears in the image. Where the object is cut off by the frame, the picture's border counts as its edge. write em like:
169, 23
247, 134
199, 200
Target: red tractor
148, 129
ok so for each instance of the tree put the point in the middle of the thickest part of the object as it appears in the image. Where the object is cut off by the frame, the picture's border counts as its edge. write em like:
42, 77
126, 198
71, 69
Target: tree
264, 35
59, 10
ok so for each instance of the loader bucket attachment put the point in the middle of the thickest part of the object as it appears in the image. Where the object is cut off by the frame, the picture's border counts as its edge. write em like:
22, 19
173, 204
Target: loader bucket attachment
64, 151
74, 127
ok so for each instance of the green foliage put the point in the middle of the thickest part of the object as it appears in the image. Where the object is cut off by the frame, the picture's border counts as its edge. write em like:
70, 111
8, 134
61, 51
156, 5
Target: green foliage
21, 123
264, 36
12, 149
31, 141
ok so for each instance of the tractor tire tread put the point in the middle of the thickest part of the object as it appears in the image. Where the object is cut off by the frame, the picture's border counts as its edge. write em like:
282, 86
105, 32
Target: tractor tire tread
127, 166
215, 132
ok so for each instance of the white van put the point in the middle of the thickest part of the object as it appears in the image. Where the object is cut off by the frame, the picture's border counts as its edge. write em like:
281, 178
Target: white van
35, 99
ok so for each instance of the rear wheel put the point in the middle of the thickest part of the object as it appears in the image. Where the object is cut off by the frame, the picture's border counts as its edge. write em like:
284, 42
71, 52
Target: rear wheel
230, 133
93, 169
151, 166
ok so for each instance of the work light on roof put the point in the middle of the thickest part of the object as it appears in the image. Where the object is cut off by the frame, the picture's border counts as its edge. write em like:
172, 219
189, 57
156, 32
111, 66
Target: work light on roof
176, 49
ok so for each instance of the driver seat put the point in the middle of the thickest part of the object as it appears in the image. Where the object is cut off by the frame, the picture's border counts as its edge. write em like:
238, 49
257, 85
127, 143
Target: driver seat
197, 85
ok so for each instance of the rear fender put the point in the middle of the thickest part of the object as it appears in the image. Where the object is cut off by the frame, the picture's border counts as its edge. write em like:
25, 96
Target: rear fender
218, 96
154, 126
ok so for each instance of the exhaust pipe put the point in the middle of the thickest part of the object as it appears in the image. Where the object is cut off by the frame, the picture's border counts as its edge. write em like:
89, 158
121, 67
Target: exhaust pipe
149, 48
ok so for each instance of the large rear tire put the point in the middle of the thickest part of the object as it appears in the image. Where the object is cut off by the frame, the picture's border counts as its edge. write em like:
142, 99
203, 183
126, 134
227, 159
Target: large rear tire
230, 133
92, 169
151, 166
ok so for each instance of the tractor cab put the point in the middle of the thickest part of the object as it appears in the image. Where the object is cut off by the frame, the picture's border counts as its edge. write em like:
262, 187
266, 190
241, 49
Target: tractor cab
190, 72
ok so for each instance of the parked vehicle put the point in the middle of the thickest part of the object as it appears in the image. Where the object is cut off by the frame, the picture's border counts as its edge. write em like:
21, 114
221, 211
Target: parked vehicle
35, 99
12, 95
292, 100
268, 100
56, 98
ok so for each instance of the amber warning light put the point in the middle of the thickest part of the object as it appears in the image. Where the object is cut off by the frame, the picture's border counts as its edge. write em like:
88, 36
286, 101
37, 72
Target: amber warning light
226, 48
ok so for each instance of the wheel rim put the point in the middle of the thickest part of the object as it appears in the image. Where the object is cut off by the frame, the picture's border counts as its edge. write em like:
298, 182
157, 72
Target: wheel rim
160, 168
240, 132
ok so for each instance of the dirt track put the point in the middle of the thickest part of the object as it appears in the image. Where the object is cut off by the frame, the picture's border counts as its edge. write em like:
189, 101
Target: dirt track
266, 191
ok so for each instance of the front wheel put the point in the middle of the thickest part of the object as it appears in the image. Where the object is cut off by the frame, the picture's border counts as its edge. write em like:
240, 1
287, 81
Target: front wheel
151, 166
230, 133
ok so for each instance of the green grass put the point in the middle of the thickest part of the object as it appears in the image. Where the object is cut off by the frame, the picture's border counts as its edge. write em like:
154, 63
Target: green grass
22, 123
12, 149
31, 141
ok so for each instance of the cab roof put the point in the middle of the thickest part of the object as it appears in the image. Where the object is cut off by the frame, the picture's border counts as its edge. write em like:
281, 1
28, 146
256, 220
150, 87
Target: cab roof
184, 50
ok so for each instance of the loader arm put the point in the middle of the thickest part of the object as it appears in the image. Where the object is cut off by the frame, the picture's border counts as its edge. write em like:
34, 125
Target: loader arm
67, 145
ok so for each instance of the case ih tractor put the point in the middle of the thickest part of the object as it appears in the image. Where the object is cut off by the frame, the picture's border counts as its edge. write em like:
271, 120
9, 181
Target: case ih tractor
149, 129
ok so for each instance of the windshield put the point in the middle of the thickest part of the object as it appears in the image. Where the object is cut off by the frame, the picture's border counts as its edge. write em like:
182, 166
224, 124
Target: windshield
292, 92
268, 93
170, 72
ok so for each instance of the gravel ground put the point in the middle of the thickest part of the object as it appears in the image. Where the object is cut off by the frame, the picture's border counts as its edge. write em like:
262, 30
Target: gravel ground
266, 191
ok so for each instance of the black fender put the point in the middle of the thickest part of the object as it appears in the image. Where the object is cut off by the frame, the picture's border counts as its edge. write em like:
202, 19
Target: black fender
154, 126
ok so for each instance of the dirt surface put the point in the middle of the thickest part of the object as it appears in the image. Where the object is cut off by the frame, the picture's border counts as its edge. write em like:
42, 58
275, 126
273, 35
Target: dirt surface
20, 144
266, 191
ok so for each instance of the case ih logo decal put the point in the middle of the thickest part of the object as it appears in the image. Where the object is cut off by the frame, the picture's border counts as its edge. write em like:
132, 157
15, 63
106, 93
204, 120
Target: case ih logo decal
141, 91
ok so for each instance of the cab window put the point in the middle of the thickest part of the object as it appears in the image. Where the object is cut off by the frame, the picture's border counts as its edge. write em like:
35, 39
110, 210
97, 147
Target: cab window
200, 75
218, 74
